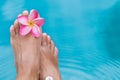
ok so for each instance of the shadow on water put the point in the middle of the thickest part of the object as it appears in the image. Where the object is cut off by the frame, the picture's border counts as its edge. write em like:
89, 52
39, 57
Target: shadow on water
112, 38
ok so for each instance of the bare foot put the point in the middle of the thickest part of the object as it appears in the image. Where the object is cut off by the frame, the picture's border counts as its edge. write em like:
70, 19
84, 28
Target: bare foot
49, 60
26, 51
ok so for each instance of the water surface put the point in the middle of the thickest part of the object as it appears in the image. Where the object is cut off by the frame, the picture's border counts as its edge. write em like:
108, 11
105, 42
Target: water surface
86, 33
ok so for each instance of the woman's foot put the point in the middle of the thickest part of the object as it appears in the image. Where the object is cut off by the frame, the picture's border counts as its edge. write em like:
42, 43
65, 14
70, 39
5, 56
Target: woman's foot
26, 51
49, 60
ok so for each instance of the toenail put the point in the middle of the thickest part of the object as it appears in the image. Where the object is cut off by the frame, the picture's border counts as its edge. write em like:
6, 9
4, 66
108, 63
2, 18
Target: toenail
49, 78
19, 15
48, 36
44, 34
11, 28
15, 21
25, 12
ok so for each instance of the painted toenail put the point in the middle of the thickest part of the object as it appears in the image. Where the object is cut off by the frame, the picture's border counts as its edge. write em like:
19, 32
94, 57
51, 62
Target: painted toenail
49, 78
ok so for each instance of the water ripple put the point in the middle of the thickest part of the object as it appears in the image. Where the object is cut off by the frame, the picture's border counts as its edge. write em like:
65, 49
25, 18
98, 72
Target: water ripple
101, 68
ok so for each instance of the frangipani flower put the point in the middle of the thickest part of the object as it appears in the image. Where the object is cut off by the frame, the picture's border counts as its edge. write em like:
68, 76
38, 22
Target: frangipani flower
31, 24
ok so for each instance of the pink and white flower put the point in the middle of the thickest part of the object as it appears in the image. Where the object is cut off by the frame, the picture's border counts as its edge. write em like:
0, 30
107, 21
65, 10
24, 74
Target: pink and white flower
31, 24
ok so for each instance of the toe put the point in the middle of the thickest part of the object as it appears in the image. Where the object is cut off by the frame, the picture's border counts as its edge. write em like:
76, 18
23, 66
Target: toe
12, 31
16, 26
48, 41
52, 47
25, 13
40, 32
44, 39
56, 52
40, 35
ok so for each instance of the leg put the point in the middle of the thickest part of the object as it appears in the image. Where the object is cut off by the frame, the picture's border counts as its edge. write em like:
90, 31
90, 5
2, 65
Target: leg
26, 51
49, 60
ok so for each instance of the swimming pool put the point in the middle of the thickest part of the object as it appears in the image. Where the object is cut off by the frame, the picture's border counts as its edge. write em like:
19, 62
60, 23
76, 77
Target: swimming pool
86, 33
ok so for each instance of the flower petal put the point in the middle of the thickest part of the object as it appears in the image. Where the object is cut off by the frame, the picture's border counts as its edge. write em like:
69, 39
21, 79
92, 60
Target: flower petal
36, 31
33, 14
23, 20
39, 21
24, 30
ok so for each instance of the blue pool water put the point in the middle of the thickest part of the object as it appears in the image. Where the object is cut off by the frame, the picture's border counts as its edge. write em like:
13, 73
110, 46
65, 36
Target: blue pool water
86, 33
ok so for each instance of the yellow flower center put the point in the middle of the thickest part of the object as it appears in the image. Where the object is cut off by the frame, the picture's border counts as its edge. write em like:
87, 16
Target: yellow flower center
31, 23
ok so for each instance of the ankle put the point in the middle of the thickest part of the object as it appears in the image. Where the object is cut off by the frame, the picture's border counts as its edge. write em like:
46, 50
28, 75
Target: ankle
31, 76
52, 74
